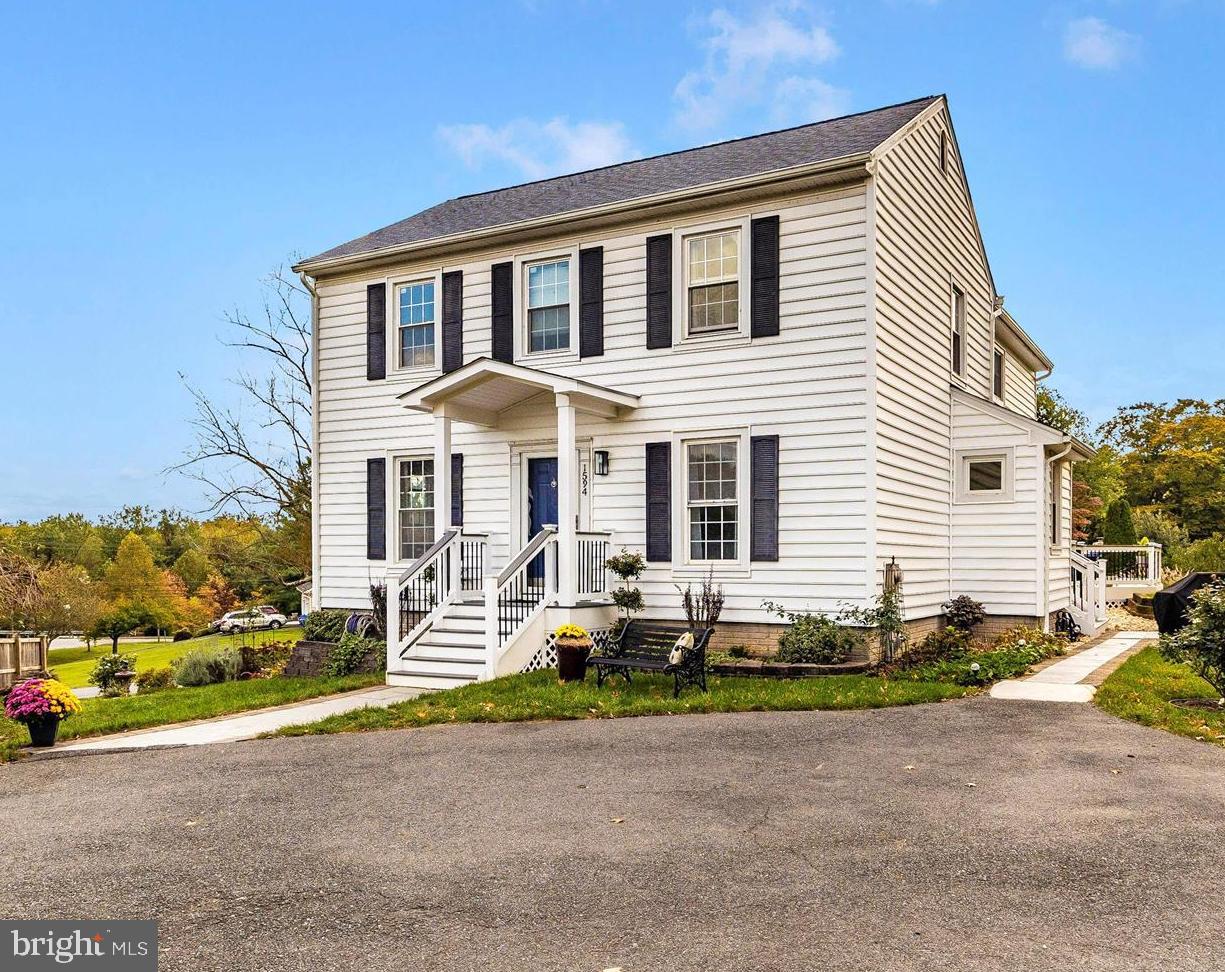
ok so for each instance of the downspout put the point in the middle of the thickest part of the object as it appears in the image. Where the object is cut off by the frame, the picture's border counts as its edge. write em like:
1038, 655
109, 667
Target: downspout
1046, 543
309, 284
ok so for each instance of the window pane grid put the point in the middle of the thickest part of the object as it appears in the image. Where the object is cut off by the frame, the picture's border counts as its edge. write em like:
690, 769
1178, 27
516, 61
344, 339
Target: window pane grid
548, 301
416, 323
416, 507
713, 263
713, 512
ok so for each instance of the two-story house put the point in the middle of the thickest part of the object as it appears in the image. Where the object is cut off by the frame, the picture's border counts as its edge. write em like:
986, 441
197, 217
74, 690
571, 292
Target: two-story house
781, 358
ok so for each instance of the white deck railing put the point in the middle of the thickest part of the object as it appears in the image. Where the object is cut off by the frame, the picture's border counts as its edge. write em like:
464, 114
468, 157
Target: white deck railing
1138, 564
592, 551
449, 570
1088, 592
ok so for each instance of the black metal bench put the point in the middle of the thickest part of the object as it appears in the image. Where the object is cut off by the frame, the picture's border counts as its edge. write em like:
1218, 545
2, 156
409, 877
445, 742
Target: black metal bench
645, 646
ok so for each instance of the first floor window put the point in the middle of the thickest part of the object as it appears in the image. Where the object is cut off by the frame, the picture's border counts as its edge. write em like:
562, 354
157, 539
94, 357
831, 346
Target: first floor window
985, 476
416, 325
548, 306
711, 500
959, 332
712, 266
416, 507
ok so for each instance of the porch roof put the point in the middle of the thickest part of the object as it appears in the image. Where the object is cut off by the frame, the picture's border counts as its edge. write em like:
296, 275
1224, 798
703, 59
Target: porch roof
482, 389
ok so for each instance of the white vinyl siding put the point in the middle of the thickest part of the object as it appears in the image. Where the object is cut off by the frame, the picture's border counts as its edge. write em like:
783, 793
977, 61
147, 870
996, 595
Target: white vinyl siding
926, 241
816, 404
1020, 387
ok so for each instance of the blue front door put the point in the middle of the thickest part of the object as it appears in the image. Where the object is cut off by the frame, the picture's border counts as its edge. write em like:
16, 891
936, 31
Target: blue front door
541, 494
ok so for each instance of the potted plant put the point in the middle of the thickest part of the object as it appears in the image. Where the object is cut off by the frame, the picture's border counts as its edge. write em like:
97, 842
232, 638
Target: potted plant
41, 703
573, 646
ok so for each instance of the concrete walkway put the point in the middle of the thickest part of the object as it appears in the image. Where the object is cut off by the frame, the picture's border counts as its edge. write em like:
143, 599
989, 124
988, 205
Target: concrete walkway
245, 725
1071, 679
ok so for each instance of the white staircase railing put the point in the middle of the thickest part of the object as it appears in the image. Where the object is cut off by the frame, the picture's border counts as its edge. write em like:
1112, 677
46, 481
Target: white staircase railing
449, 571
1138, 564
1088, 591
518, 595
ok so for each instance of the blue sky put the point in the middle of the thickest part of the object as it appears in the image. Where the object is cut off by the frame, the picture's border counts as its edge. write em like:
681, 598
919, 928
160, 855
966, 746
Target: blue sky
159, 159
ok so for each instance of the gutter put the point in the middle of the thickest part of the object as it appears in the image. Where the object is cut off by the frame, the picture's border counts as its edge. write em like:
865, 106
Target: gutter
487, 233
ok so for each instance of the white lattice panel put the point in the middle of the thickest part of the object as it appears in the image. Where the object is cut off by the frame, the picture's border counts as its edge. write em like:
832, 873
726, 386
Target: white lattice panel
546, 656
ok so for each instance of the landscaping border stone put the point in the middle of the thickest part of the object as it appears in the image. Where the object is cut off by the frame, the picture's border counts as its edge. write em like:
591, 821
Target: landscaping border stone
767, 668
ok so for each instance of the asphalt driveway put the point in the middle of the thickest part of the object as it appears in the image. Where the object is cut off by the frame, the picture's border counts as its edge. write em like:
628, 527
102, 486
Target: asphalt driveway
978, 834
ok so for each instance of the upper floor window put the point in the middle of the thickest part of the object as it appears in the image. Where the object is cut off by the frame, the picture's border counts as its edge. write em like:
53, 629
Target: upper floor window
711, 477
1055, 491
416, 324
997, 374
959, 332
944, 153
548, 306
415, 507
712, 269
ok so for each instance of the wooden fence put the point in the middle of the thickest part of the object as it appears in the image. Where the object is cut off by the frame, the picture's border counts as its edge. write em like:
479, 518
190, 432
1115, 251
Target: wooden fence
21, 655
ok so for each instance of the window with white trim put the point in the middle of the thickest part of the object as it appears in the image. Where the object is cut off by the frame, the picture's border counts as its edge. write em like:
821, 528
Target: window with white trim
997, 374
1055, 489
711, 500
959, 331
415, 336
415, 506
548, 306
712, 282
984, 476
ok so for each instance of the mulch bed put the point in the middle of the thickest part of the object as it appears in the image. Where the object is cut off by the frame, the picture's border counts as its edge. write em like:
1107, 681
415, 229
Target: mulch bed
776, 669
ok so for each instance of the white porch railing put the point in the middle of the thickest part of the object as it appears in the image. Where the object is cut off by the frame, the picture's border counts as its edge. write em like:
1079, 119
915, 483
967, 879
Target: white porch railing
450, 570
518, 595
592, 550
1088, 592
1138, 564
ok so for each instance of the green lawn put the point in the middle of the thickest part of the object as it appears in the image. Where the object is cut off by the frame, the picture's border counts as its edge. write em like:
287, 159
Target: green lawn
1141, 689
73, 665
101, 716
539, 695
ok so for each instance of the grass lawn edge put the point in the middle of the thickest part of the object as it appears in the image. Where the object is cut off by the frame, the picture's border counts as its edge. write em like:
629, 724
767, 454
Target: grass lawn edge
1140, 691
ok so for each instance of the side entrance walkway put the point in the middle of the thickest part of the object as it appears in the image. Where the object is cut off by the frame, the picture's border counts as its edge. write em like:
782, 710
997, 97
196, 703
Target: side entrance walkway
246, 725
1072, 679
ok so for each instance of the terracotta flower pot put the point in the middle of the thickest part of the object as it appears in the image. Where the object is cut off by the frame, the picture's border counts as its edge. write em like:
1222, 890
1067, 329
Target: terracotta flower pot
43, 729
572, 658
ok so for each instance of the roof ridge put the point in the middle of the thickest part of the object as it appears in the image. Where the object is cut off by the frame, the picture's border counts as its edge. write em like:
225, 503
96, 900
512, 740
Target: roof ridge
692, 148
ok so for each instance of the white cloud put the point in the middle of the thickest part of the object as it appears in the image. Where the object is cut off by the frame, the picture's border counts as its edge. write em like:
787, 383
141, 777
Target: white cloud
1090, 42
743, 61
539, 149
800, 100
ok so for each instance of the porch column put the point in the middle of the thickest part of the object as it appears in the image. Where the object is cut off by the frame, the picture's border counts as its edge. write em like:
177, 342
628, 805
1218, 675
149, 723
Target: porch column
567, 478
442, 471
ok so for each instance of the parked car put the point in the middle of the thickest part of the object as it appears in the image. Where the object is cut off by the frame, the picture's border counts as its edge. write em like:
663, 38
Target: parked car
249, 619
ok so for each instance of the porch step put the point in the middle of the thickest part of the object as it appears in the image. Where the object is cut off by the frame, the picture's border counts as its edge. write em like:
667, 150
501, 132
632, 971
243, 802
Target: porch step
428, 647
434, 665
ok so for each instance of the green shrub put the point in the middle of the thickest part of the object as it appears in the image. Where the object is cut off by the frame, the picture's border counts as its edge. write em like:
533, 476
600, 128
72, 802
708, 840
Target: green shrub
326, 624
964, 613
182, 635
1204, 555
1158, 527
104, 672
268, 658
944, 644
155, 679
350, 654
1011, 654
738, 651
207, 665
1118, 528
1201, 644
812, 639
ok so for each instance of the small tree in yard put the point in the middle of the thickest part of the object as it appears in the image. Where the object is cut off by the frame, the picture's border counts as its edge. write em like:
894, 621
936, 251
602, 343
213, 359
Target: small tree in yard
628, 566
1201, 644
1119, 529
702, 610
116, 621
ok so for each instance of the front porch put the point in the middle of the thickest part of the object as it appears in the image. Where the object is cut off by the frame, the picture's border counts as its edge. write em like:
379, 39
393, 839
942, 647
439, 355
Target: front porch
457, 614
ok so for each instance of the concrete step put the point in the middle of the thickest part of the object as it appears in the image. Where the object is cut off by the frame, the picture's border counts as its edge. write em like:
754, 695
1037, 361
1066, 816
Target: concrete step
422, 664
427, 683
428, 647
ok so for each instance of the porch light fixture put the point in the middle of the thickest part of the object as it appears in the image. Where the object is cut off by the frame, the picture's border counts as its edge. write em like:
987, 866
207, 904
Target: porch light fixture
601, 462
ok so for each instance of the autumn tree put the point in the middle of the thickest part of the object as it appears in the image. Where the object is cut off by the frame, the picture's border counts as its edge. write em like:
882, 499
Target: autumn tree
1173, 457
193, 569
68, 601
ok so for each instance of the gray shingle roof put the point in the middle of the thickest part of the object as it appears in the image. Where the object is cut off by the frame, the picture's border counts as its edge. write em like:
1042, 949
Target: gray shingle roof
832, 139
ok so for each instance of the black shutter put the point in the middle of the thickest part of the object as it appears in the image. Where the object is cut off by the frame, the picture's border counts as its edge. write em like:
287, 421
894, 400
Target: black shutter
591, 302
659, 291
659, 501
376, 509
763, 492
376, 332
452, 320
457, 489
763, 296
502, 317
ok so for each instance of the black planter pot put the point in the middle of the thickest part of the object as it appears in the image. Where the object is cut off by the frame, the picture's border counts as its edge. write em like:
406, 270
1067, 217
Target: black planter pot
43, 730
572, 660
